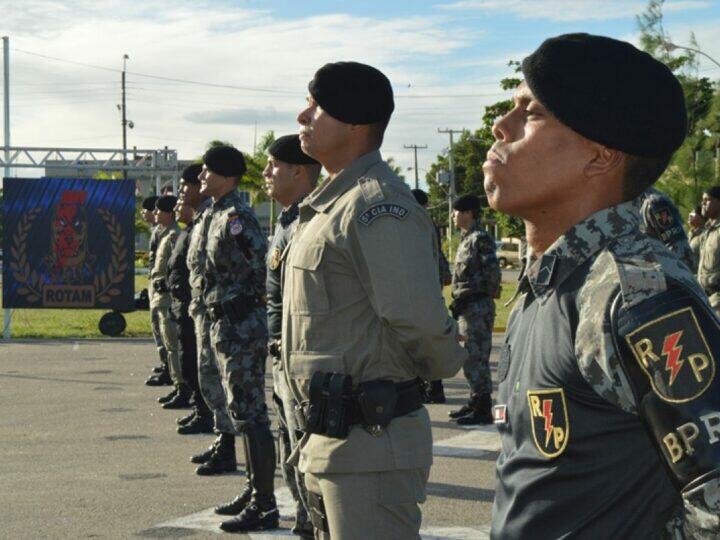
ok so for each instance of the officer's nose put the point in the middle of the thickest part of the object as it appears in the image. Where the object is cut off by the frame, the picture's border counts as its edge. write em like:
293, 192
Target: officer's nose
304, 117
500, 128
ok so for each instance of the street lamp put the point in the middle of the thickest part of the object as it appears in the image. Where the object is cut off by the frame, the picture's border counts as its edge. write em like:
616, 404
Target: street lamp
672, 46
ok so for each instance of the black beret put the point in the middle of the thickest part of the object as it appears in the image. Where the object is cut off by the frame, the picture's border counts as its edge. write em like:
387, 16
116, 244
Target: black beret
466, 202
609, 92
191, 173
166, 203
287, 149
353, 93
420, 196
225, 161
149, 202
714, 192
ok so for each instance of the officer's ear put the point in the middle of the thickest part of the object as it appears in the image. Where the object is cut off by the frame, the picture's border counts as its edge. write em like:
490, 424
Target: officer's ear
603, 161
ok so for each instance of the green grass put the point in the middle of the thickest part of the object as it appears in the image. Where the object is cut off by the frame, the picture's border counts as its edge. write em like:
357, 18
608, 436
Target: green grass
75, 323
83, 323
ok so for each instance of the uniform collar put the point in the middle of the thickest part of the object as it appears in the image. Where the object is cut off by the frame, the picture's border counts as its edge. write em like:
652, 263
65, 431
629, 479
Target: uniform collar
715, 224
288, 215
545, 273
325, 195
200, 209
474, 227
226, 199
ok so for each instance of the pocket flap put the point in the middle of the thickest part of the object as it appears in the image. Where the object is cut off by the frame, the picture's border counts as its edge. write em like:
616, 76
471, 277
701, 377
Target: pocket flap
307, 256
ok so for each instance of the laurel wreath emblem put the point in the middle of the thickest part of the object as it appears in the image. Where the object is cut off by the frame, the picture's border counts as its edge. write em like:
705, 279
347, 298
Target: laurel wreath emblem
115, 272
19, 265
105, 283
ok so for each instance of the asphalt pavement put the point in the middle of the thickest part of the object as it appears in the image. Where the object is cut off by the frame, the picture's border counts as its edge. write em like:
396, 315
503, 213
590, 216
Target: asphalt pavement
87, 452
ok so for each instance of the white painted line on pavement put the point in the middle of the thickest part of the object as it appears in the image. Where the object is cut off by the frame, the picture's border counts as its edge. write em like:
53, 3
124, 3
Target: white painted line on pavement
455, 533
475, 443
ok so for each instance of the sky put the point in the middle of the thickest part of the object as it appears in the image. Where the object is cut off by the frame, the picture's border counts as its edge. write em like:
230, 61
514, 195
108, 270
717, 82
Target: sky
249, 62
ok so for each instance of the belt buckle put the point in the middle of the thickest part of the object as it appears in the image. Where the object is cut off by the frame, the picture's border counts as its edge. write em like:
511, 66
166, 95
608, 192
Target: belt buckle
375, 430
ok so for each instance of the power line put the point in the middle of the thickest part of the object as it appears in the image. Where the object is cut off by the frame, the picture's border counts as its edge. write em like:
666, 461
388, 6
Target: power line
415, 148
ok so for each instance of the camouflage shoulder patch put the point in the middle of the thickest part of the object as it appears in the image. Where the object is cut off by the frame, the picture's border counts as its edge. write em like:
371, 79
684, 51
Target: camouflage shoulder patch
234, 223
549, 419
371, 190
674, 354
388, 209
640, 279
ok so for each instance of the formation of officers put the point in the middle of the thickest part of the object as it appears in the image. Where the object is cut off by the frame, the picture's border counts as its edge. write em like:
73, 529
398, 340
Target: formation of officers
608, 404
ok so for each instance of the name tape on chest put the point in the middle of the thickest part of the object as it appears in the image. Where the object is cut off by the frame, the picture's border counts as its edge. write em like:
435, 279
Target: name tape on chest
673, 353
386, 209
549, 421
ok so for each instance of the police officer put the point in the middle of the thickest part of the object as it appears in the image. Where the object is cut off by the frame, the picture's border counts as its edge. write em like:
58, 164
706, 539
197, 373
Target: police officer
363, 317
696, 221
434, 391
161, 375
179, 284
661, 219
161, 299
220, 456
475, 285
234, 293
608, 393
290, 175
709, 265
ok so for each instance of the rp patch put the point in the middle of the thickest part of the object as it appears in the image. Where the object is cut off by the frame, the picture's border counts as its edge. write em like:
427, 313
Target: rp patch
674, 354
549, 421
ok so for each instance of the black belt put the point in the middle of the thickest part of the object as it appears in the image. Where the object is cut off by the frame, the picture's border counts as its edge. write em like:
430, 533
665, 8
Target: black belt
334, 406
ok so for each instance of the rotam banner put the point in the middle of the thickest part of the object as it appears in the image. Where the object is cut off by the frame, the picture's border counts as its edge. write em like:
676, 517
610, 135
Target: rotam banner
68, 243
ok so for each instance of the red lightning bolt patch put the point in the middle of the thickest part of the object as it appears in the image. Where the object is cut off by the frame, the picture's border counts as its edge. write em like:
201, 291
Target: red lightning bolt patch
672, 351
547, 413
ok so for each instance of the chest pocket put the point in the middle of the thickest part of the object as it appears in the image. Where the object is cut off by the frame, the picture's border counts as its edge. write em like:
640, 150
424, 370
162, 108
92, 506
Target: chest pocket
309, 294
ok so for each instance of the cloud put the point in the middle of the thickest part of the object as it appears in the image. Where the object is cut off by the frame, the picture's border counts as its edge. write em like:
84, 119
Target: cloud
241, 117
570, 10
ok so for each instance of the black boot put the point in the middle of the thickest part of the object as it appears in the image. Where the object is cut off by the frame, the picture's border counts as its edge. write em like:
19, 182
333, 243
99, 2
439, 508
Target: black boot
181, 399
222, 459
168, 397
158, 369
161, 379
199, 424
238, 504
436, 392
262, 513
481, 412
462, 411
185, 420
202, 457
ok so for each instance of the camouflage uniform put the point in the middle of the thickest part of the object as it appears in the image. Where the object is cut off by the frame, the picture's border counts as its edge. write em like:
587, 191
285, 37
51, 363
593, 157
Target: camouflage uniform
565, 402
209, 376
709, 266
235, 270
155, 236
161, 301
475, 283
661, 220
285, 403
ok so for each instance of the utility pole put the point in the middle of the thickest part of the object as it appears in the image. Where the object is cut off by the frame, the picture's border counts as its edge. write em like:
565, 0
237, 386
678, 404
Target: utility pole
6, 132
415, 148
124, 118
451, 190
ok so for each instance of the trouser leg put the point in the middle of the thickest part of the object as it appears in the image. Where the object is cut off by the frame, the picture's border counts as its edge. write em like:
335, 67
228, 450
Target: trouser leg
187, 350
169, 334
476, 325
209, 377
359, 506
157, 335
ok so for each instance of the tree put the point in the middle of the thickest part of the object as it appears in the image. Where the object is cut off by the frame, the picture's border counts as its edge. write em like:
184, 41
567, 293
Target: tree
469, 154
691, 169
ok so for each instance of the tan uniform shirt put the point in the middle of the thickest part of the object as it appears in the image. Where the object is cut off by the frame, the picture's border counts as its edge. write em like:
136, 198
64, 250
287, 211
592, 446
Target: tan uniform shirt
160, 269
709, 267
361, 298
